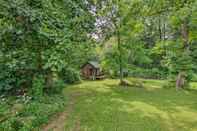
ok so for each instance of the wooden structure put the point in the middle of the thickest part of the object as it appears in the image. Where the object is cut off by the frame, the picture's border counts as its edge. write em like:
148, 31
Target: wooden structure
91, 70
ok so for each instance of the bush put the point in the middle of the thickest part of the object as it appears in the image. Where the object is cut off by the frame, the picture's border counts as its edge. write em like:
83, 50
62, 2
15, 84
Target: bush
33, 114
57, 88
111, 74
7, 80
154, 73
170, 84
7, 125
41, 110
17, 124
194, 78
14, 81
38, 86
70, 76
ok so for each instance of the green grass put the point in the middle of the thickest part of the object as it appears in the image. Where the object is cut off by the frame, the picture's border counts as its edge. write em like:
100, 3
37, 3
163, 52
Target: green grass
105, 106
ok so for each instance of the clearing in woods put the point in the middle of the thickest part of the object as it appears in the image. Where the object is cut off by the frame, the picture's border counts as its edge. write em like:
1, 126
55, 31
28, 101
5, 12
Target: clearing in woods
104, 106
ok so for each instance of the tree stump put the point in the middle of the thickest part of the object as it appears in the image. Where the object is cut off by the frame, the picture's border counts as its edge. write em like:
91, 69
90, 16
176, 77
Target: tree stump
181, 80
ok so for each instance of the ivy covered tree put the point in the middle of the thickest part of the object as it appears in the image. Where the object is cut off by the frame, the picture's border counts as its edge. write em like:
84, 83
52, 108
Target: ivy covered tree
39, 37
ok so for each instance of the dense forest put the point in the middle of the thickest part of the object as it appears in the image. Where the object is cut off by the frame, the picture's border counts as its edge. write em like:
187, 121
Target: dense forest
44, 44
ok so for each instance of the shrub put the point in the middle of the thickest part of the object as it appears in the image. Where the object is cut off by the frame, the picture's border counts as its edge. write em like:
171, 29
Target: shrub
6, 126
12, 124
57, 88
70, 76
7, 80
38, 86
194, 78
170, 83
154, 73
34, 113
17, 124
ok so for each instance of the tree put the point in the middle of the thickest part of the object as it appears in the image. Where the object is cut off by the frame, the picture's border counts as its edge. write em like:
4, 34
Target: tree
39, 37
122, 20
176, 48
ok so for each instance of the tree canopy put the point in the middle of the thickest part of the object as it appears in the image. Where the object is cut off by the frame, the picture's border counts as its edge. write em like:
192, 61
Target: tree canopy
148, 38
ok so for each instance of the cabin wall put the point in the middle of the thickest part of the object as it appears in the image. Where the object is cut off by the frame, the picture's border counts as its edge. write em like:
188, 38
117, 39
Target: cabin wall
87, 71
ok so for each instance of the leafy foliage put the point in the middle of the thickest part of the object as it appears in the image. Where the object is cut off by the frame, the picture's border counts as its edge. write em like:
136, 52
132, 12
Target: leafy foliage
38, 87
155, 35
38, 37
70, 76
33, 113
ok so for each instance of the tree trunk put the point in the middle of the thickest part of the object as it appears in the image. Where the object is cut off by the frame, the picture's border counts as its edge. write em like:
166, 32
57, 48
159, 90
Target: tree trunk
49, 79
185, 35
160, 30
181, 80
39, 61
118, 27
120, 57
164, 31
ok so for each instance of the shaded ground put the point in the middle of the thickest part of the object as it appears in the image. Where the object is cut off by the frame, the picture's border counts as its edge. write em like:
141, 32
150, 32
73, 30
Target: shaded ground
20, 113
57, 123
104, 106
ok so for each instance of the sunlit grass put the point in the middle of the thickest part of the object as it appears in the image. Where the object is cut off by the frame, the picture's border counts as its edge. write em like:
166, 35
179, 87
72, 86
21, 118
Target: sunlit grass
105, 106
194, 85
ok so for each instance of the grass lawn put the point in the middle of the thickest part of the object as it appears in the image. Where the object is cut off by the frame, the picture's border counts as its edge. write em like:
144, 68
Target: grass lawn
104, 106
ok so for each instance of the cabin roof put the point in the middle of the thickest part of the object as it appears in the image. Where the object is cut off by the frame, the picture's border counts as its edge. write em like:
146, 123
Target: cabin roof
95, 64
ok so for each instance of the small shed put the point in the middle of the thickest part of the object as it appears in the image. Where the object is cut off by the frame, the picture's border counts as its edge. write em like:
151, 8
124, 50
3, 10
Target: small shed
91, 70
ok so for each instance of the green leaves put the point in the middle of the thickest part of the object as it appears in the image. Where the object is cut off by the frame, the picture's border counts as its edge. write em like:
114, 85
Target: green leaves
39, 36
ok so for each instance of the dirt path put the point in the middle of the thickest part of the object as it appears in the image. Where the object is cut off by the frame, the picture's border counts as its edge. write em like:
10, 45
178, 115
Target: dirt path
58, 122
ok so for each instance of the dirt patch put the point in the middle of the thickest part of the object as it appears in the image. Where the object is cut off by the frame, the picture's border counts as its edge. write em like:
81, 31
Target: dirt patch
77, 125
57, 123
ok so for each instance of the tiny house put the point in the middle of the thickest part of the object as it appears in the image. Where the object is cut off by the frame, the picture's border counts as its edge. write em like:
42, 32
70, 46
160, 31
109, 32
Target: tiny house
92, 70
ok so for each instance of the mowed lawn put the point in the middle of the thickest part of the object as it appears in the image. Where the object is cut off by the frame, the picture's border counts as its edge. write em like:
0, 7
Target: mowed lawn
105, 106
